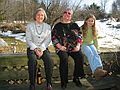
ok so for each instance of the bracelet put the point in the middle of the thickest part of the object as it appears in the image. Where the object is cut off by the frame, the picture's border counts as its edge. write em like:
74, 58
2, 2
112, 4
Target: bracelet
39, 49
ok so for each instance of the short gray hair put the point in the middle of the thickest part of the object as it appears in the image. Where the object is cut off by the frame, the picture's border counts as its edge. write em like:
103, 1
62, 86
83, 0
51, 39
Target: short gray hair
40, 9
68, 9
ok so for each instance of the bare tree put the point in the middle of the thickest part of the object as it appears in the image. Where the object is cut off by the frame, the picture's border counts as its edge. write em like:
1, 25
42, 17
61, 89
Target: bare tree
22, 10
3, 8
118, 4
116, 10
103, 4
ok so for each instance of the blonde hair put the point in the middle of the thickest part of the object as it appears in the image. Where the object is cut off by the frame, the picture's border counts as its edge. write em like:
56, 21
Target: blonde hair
85, 27
40, 9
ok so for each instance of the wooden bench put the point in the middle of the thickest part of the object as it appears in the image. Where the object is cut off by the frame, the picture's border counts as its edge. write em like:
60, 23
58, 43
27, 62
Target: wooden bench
15, 71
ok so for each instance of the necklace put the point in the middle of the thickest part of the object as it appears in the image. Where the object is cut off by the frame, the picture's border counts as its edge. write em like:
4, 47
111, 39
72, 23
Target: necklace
66, 29
39, 32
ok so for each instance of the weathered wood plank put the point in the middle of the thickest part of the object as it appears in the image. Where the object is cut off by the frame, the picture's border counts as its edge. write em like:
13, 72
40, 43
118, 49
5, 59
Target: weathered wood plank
17, 69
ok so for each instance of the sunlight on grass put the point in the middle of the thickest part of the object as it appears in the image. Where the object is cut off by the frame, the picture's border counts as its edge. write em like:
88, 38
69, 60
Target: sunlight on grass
19, 45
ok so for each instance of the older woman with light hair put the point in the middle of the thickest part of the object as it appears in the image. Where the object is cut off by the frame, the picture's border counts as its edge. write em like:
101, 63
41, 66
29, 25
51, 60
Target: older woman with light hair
38, 37
67, 43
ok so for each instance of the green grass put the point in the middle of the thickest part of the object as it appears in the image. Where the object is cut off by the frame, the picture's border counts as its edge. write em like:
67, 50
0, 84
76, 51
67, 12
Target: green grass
10, 40
20, 46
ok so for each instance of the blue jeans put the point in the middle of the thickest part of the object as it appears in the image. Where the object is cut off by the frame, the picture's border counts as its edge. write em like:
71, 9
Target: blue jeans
92, 56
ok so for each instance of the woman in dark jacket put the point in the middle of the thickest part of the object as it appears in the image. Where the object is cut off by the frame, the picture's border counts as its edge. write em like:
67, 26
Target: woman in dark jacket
67, 42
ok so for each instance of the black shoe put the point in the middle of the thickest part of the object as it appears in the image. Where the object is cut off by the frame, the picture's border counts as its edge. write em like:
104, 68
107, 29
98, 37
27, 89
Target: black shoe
31, 87
77, 82
63, 85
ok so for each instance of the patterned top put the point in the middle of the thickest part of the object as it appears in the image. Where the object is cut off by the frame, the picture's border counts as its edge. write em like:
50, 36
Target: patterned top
38, 35
67, 35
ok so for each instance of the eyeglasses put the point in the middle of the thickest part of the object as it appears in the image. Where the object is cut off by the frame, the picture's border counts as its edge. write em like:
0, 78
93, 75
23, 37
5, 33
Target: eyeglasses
67, 13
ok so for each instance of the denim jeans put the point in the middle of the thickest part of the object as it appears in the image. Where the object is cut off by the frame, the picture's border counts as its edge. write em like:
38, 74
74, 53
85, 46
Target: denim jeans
92, 56
32, 63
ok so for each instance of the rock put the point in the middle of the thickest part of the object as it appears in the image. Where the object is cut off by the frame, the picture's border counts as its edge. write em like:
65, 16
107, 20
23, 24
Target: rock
3, 43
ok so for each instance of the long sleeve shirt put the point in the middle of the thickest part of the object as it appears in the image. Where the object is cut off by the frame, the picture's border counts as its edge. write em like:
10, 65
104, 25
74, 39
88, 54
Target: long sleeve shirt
38, 35
66, 34
89, 39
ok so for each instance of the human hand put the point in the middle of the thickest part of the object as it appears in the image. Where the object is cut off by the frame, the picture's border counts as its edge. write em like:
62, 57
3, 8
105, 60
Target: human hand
76, 49
63, 48
38, 52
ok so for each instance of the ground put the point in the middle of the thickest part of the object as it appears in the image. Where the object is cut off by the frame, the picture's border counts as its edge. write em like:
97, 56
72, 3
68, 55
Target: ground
107, 83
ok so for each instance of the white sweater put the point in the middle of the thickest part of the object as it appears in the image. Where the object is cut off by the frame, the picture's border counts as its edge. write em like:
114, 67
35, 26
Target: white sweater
38, 35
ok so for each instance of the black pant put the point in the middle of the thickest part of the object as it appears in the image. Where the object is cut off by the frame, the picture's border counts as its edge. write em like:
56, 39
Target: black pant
78, 66
32, 63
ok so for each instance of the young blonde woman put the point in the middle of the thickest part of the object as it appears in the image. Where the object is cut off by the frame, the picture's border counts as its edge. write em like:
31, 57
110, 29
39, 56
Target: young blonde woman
90, 46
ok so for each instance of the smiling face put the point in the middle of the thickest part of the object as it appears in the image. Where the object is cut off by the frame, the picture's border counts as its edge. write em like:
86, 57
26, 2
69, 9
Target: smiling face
40, 17
67, 15
90, 22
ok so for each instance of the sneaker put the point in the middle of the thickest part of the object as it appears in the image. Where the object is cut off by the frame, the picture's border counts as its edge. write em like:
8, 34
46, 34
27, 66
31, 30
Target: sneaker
77, 82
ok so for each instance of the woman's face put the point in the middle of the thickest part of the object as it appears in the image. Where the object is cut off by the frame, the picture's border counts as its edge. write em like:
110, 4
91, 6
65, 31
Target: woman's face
67, 15
40, 16
90, 22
